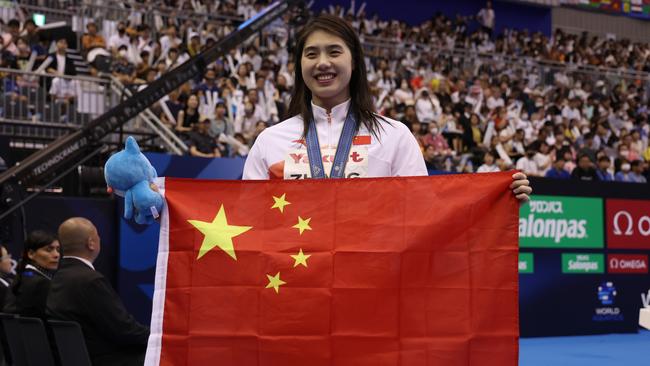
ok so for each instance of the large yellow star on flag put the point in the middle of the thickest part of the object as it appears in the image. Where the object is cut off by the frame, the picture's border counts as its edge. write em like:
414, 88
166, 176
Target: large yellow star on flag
218, 234
280, 202
300, 258
302, 225
275, 282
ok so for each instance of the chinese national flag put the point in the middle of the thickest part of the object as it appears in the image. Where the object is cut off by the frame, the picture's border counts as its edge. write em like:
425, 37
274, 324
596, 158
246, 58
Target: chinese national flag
388, 271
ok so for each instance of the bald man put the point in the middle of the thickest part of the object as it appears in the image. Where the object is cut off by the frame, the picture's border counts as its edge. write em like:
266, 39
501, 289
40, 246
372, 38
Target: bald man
81, 294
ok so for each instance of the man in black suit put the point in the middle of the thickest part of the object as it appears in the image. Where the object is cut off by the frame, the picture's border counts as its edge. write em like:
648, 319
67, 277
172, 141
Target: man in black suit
81, 294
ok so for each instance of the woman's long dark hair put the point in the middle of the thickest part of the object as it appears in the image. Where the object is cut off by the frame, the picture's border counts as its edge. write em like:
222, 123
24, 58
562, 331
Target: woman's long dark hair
35, 240
361, 105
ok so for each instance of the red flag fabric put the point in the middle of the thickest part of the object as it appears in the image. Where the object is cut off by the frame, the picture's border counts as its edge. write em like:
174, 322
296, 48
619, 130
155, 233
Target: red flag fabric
387, 271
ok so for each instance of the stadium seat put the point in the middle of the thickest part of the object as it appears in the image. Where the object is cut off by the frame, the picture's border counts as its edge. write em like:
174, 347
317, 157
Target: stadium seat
70, 343
15, 352
34, 339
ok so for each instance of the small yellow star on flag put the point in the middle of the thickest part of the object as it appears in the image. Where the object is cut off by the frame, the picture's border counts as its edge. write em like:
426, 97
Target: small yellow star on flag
275, 282
302, 225
218, 234
280, 202
300, 258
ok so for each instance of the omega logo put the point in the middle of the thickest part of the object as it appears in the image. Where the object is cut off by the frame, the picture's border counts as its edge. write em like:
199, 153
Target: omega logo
643, 225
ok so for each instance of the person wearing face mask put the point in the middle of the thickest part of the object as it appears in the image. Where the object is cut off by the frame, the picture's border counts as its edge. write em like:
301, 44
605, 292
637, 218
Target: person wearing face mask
118, 39
404, 93
123, 69
435, 139
624, 174
40, 259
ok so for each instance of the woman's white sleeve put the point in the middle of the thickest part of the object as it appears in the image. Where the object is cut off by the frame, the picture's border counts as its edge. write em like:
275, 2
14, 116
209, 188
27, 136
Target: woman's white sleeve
255, 167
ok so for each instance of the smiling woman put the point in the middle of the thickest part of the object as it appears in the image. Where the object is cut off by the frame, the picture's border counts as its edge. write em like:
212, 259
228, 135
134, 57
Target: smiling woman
334, 131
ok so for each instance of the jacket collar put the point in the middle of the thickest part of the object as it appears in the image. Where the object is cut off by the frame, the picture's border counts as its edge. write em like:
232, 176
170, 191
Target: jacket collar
337, 114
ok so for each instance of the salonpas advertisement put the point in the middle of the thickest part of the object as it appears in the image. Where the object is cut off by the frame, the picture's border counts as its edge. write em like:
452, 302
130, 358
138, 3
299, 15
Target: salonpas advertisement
561, 222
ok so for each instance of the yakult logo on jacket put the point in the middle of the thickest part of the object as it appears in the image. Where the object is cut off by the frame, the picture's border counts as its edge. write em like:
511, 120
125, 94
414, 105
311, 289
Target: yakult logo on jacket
628, 224
627, 263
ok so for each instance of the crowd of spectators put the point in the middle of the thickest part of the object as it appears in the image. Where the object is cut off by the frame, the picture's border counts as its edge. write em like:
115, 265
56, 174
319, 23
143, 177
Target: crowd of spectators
469, 111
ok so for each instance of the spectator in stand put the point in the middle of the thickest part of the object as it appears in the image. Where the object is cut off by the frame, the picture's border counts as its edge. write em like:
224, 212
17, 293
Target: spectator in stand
636, 174
246, 123
603, 169
63, 89
200, 142
208, 84
30, 32
486, 18
123, 69
527, 163
543, 158
60, 62
10, 36
118, 39
219, 124
624, 175
170, 40
558, 171
427, 107
585, 170
92, 39
40, 259
489, 163
432, 158
189, 116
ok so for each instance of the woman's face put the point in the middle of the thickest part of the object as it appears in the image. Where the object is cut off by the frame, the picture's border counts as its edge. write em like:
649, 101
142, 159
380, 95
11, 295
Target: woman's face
47, 256
193, 101
242, 70
326, 63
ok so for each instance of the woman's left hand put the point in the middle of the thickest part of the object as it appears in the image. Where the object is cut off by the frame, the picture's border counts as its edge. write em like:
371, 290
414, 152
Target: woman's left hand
521, 187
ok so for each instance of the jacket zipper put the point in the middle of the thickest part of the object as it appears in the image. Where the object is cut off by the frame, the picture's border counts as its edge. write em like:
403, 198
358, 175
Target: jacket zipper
329, 128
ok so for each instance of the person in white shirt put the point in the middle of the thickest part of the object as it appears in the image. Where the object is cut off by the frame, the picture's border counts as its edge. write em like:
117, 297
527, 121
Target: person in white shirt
427, 107
327, 89
169, 40
527, 163
486, 18
488, 165
118, 39
403, 95
572, 110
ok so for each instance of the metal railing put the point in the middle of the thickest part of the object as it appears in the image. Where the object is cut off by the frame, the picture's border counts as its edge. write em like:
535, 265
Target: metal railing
399, 48
155, 18
36, 106
171, 141
41, 97
464, 60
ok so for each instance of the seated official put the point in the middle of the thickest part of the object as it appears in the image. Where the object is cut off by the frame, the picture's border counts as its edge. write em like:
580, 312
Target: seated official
28, 293
81, 294
6, 275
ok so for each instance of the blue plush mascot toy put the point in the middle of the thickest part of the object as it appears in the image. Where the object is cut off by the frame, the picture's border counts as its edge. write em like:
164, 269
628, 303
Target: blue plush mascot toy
129, 174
